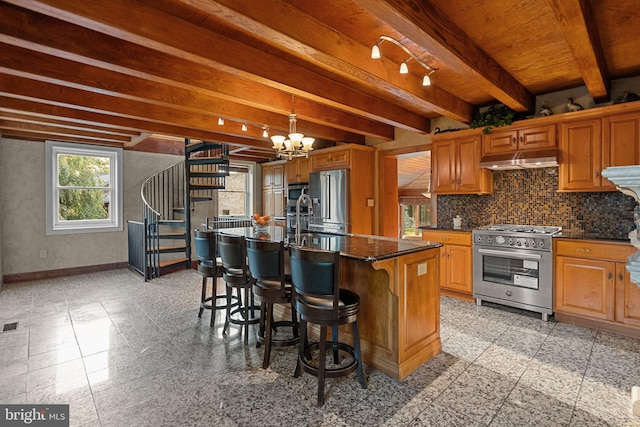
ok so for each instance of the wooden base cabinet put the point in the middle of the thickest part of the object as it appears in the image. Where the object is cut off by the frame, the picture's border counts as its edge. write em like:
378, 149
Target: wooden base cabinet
593, 287
456, 262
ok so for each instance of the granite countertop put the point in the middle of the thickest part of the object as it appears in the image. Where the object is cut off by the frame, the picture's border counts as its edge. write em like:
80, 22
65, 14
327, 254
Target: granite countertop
361, 247
586, 235
565, 233
449, 228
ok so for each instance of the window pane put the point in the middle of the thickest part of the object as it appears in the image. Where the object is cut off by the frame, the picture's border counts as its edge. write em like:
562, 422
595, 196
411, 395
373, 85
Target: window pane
233, 199
83, 171
83, 205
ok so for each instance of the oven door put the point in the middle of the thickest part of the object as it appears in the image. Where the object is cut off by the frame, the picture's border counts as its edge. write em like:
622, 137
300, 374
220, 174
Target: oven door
512, 276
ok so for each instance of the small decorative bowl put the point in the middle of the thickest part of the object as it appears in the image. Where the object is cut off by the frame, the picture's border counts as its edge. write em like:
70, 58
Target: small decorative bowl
259, 227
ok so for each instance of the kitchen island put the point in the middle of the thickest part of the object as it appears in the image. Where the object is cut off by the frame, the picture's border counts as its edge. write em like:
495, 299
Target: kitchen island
397, 281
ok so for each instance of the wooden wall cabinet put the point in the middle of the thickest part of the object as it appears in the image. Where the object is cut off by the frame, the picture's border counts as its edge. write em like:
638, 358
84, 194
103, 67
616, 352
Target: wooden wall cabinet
456, 262
519, 139
273, 188
331, 159
297, 170
592, 284
456, 166
588, 146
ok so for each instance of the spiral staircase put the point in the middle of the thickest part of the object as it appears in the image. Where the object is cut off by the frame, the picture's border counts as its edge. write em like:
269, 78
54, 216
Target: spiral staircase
161, 242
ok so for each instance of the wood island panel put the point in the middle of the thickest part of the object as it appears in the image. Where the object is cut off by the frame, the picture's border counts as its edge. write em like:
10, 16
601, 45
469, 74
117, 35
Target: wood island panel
400, 310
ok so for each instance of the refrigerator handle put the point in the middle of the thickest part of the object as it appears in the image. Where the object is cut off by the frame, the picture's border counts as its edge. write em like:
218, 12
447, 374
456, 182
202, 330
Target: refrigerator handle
326, 195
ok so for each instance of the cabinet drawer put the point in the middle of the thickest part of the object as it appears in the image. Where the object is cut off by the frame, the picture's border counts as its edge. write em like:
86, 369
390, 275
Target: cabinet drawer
596, 250
448, 237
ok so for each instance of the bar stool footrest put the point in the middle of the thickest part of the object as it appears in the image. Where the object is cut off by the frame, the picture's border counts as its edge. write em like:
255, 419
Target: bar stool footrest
329, 372
280, 342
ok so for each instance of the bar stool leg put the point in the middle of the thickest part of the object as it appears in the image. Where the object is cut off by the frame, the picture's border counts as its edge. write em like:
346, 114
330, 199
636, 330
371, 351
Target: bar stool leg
228, 315
203, 297
357, 354
322, 361
268, 335
335, 344
261, 323
301, 347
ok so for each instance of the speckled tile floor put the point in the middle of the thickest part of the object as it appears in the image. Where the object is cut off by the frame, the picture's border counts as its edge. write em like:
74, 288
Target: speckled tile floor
124, 352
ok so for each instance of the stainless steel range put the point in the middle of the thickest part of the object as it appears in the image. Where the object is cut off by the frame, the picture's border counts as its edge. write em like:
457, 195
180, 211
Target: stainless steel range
513, 265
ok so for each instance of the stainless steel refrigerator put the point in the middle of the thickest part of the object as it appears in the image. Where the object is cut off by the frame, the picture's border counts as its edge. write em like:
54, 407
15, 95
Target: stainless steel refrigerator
328, 191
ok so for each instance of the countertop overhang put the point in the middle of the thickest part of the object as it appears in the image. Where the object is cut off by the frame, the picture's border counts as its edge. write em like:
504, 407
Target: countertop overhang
361, 247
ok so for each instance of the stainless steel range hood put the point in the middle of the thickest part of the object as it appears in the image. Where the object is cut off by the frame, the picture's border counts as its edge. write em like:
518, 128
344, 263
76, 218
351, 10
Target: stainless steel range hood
521, 160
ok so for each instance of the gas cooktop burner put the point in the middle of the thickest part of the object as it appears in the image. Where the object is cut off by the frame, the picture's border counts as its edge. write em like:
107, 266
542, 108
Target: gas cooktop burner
532, 229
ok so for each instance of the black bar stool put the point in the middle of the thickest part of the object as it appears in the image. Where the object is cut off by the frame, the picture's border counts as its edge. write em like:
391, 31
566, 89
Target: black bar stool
235, 273
319, 300
272, 286
210, 266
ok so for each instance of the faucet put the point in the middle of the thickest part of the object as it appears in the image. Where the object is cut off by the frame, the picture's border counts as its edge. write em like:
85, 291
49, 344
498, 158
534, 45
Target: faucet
304, 196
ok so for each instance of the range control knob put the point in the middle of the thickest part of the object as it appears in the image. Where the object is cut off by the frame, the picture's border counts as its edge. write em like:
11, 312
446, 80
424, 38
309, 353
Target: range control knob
541, 243
500, 240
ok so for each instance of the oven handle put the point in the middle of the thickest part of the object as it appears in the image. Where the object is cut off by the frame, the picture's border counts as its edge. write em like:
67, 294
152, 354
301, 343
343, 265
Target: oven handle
509, 254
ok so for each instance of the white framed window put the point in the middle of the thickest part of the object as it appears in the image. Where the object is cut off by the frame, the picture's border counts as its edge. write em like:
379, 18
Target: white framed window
236, 198
84, 188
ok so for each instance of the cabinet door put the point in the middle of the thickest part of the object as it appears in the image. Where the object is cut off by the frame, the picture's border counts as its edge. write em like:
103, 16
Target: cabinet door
621, 143
267, 202
581, 155
467, 167
291, 171
267, 176
585, 287
499, 142
303, 169
627, 297
278, 201
537, 137
278, 176
459, 269
444, 167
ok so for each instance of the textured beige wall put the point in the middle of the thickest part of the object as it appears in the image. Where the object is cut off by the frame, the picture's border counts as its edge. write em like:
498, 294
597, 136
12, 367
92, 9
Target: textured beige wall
22, 212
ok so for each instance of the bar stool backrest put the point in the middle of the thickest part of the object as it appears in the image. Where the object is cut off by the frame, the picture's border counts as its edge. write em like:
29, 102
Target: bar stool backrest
315, 273
205, 245
233, 252
266, 259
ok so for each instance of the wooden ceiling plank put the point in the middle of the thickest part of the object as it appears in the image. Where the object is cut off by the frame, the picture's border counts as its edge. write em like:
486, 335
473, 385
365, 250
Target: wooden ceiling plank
428, 27
89, 78
48, 35
60, 130
38, 120
55, 108
579, 27
121, 18
332, 51
39, 136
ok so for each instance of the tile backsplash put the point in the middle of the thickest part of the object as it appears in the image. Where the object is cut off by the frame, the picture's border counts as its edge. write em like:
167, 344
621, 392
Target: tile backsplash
529, 196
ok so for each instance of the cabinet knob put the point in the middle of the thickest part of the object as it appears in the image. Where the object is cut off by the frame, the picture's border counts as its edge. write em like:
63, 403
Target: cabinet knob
620, 276
597, 174
521, 138
514, 140
610, 276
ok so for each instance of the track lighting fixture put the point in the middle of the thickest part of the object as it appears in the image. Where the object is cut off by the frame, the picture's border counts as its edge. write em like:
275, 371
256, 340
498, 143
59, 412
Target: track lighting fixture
404, 69
220, 121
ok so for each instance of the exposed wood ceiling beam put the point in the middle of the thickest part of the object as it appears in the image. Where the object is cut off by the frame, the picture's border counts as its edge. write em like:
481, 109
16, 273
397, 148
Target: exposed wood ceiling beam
425, 25
61, 107
36, 32
333, 52
578, 25
117, 18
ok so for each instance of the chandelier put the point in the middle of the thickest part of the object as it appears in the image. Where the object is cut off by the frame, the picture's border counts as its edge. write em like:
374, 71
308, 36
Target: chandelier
404, 69
294, 144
